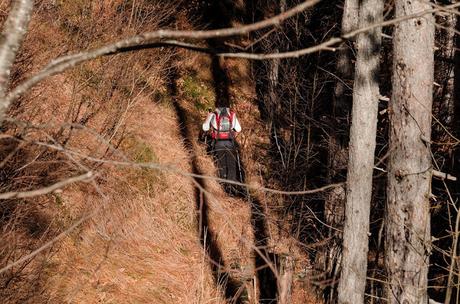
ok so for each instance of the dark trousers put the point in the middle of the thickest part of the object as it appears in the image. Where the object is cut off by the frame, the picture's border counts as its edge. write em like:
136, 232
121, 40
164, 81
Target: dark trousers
226, 158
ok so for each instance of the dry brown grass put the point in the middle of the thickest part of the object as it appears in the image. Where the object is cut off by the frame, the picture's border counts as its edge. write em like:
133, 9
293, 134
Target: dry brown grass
143, 246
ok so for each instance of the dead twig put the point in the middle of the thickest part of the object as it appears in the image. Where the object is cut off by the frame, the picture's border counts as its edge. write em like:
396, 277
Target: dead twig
54, 187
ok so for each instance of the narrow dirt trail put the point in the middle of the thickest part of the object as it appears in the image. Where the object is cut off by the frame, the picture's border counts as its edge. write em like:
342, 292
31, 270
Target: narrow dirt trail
222, 221
232, 230
238, 225
147, 243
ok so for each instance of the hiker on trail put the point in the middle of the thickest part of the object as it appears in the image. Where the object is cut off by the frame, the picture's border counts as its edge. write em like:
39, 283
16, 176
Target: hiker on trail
224, 126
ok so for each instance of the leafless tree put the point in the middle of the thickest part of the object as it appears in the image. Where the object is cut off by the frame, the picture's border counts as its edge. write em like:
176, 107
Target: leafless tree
337, 159
409, 174
361, 156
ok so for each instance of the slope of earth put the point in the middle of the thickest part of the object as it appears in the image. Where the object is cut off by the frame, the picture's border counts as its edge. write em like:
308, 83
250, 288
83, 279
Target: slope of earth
142, 247
153, 235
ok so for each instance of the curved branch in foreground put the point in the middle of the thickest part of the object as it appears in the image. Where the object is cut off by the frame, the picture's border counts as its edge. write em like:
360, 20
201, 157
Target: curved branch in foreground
328, 45
171, 169
66, 62
175, 170
153, 39
57, 186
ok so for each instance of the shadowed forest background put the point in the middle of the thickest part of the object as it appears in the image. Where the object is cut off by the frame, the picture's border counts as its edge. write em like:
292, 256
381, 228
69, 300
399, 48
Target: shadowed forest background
141, 216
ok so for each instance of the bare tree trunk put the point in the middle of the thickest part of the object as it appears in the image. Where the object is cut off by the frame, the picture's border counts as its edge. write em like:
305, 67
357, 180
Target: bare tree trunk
13, 33
329, 261
361, 156
285, 280
409, 169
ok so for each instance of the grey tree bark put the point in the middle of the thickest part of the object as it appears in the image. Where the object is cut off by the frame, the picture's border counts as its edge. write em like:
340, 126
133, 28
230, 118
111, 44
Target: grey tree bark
13, 33
361, 156
329, 261
337, 153
285, 280
409, 169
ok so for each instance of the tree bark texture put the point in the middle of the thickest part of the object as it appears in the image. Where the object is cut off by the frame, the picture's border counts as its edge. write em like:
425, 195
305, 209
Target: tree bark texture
361, 156
409, 168
13, 33
285, 280
334, 208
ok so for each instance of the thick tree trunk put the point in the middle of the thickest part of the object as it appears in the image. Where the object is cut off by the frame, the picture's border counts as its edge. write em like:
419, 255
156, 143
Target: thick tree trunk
329, 261
361, 157
409, 170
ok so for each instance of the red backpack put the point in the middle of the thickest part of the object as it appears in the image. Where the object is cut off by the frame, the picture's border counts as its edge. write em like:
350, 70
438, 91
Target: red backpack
224, 122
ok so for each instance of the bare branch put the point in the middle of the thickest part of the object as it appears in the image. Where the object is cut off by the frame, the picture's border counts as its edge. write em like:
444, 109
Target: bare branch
328, 45
137, 42
325, 46
443, 176
50, 242
46, 190
153, 40
453, 259
172, 169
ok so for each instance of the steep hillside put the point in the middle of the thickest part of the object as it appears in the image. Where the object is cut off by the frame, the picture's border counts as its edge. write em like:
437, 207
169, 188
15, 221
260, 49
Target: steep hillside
142, 246
143, 230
